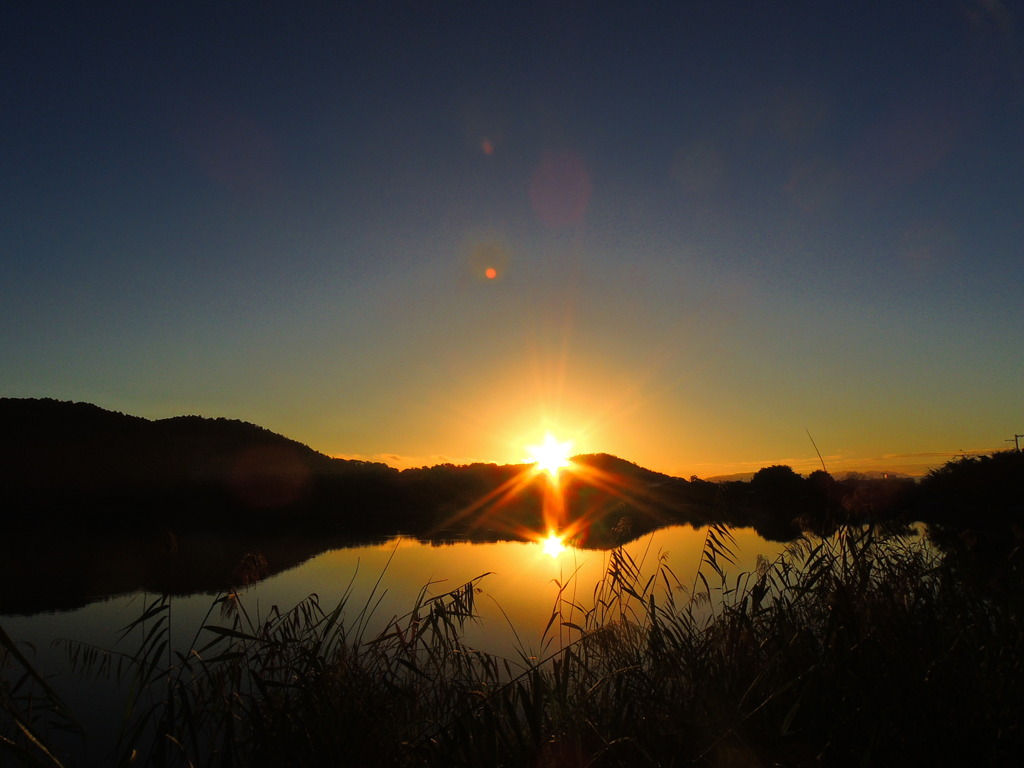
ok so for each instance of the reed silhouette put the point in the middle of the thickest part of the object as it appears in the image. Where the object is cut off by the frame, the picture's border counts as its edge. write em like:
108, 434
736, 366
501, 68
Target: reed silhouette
863, 647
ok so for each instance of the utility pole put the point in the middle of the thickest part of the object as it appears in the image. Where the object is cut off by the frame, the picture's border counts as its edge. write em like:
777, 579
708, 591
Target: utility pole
1016, 441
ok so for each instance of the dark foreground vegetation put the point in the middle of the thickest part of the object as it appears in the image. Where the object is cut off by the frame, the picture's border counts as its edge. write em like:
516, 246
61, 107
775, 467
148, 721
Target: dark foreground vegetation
865, 647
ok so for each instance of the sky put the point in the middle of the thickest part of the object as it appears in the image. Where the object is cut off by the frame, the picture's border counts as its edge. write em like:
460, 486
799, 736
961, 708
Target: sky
705, 237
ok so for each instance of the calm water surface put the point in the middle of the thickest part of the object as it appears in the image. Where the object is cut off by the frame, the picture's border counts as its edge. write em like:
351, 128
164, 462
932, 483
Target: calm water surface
519, 593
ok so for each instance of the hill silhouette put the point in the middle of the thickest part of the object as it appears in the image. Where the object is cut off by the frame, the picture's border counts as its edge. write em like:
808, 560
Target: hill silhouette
86, 465
77, 467
74, 467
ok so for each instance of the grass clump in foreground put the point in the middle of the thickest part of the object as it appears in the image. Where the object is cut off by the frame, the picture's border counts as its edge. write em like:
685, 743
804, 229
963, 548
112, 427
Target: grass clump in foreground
852, 650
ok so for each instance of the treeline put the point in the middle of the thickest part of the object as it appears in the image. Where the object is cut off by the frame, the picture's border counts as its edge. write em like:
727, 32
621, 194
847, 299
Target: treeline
782, 504
74, 467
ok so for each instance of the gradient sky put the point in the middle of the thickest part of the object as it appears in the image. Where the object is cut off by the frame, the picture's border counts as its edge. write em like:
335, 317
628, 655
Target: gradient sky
715, 226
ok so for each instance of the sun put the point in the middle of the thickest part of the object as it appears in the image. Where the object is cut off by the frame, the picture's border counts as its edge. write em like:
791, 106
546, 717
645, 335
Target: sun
552, 456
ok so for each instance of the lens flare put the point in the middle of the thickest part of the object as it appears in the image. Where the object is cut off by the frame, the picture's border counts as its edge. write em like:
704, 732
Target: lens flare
487, 255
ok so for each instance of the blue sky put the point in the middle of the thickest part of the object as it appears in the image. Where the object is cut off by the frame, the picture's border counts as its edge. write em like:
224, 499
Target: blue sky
715, 226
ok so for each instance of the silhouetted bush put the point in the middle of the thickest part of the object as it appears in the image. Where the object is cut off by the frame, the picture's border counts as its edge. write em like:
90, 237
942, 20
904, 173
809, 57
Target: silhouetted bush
975, 512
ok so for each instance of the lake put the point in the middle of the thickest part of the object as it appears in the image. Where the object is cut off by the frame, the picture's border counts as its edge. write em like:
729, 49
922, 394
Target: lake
514, 600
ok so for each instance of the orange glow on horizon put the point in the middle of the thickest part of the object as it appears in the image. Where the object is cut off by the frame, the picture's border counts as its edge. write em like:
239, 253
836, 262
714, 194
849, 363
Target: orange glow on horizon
490, 273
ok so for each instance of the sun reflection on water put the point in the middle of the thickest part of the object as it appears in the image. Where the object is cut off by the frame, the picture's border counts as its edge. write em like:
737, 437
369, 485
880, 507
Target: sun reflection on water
553, 545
